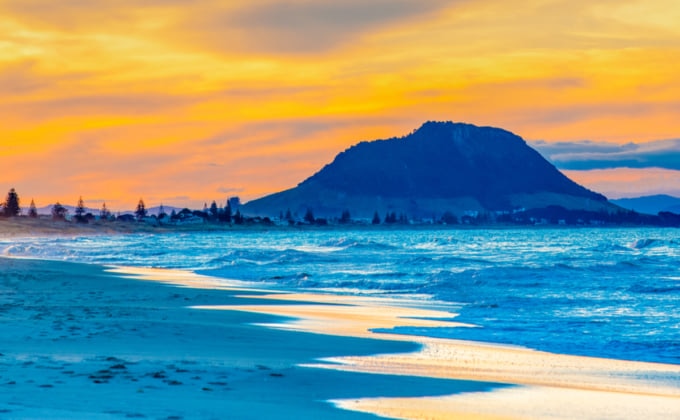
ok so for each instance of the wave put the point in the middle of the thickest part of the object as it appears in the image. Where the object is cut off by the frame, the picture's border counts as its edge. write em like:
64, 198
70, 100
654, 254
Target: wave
643, 243
363, 244
359, 285
605, 248
268, 257
653, 243
635, 245
654, 289
464, 260
576, 288
438, 243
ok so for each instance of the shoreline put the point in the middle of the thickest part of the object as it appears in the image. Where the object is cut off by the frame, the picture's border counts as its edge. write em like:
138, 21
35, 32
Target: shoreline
26, 227
77, 341
474, 372
451, 358
564, 379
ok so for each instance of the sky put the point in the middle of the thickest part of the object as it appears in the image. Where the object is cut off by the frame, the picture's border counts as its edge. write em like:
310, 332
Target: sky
184, 102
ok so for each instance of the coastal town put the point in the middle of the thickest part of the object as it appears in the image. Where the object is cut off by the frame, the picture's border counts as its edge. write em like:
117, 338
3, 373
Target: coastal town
229, 215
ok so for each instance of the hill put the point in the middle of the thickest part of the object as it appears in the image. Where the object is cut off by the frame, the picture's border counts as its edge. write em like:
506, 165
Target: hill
651, 204
47, 210
442, 166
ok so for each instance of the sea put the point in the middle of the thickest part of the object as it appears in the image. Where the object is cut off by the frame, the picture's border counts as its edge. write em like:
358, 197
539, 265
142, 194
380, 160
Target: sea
605, 292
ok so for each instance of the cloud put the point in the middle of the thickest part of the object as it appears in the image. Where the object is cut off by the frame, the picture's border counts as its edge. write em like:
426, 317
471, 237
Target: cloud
273, 133
76, 14
303, 26
626, 182
289, 26
131, 104
545, 83
580, 112
18, 78
23, 78
228, 190
587, 155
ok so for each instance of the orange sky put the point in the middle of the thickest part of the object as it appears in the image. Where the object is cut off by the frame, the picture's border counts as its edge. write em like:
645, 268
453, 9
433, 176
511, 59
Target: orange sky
185, 102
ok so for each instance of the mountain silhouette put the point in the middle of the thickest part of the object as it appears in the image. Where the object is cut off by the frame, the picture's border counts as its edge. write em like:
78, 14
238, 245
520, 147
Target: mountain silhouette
442, 166
651, 204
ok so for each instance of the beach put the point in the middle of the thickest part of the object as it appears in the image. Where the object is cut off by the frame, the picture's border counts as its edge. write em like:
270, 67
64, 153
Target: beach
78, 342
85, 341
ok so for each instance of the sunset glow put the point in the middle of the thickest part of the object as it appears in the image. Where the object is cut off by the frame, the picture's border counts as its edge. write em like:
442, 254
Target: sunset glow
187, 102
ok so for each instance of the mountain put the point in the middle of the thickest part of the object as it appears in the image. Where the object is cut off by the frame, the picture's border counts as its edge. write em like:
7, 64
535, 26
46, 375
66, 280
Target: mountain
651, 204
442, 166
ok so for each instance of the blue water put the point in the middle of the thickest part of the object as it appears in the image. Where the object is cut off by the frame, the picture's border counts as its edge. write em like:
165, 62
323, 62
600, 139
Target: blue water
599, 292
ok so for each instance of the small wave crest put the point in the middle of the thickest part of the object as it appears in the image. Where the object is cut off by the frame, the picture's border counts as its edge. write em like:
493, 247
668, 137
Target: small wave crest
352, 243
654, 288
366, 285
652, 243
643, 243
267, 257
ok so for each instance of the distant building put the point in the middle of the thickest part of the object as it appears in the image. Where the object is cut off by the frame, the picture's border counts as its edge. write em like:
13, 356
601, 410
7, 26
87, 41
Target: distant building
190, 220
234, 204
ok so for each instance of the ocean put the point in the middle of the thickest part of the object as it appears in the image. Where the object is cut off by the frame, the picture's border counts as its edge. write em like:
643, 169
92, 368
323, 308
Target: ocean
606, 292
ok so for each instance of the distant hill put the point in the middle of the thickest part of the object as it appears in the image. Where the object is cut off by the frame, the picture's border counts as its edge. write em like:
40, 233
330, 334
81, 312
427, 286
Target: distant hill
442, 166
651, 204
47, 210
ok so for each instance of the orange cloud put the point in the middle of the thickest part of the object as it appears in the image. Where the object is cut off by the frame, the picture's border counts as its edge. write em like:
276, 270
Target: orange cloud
627, 182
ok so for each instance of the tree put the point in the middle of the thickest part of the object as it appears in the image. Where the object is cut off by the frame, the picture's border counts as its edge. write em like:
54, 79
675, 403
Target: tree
32, 211
80, 211
390, 218
238, 218
59, 211
141, 210
104, 213
227, 213
376, 218
11, 207
449, 218
161, 212
345, 217
309, 216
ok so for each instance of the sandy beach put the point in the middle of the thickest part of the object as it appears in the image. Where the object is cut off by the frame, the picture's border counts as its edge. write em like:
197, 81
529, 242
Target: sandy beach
78, 342
82, 341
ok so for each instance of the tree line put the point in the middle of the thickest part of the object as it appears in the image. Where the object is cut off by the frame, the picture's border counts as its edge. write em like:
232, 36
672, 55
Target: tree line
11, 207
554, 215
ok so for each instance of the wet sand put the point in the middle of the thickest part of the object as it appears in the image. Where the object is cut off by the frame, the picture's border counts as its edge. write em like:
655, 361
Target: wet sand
82, 341
547, 385
77, 341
